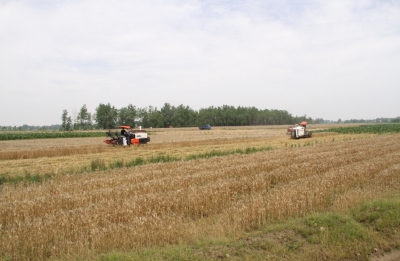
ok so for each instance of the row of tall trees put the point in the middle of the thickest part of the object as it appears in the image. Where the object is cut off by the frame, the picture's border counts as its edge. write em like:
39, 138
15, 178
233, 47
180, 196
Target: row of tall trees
81, 121
108, 117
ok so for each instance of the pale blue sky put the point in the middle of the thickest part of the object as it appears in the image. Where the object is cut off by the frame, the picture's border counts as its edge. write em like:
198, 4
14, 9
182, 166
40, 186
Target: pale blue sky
326, 59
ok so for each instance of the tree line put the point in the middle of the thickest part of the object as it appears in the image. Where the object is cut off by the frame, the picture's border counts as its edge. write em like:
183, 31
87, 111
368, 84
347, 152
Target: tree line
27, 127
106, 116
80, 121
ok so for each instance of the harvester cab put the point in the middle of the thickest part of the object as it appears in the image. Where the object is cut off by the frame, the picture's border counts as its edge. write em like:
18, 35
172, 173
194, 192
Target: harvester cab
127, 137
299, 131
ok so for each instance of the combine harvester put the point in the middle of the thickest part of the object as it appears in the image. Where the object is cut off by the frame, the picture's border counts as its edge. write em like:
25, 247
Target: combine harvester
299, 131
127, 137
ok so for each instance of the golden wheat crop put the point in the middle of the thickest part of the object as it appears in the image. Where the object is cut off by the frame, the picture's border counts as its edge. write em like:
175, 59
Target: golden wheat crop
69, 159
162, 135
157, 204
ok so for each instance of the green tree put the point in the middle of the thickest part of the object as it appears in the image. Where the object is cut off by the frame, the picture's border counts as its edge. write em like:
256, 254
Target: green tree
127, 115
84, 118
192, 117
204, 117
167, 114
154, 117
64, 118
68, 124
144, 117
89, 122
180, 116
229, 114
106, 116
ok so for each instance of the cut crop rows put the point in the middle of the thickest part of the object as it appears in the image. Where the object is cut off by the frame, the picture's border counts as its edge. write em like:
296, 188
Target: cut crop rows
76, 216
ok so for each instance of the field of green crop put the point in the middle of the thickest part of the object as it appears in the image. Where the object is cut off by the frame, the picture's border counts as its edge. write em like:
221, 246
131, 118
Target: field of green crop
48, 135
376, 128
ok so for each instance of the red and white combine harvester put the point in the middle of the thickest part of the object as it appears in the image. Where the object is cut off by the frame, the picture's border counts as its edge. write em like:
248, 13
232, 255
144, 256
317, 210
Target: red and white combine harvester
299, 131
128, 137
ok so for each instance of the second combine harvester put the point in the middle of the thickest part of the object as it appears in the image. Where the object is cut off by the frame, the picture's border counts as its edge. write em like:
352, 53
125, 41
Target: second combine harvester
299, 131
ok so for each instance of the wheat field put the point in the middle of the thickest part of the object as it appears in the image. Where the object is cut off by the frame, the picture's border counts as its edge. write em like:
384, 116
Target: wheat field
161, 135
82, 215
58, 156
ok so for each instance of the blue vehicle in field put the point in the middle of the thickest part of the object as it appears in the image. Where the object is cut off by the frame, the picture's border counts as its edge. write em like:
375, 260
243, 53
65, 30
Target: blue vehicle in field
206, 127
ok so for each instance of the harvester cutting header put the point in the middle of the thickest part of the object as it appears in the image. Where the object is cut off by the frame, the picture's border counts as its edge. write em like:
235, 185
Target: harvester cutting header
299, 131
128, 136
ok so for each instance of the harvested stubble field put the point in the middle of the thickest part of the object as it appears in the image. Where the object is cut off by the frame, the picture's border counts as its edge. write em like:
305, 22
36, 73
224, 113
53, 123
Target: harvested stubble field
161, 135
80, 216
58, 156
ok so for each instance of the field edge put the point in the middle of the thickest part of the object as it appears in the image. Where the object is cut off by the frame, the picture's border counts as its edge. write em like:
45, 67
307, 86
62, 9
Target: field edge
361, 233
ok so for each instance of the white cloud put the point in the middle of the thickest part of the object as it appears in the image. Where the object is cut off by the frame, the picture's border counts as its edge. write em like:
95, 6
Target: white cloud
324, 59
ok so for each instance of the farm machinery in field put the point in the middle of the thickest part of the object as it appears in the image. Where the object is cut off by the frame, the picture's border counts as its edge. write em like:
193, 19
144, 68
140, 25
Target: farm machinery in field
127, 137
299, 131
206, 127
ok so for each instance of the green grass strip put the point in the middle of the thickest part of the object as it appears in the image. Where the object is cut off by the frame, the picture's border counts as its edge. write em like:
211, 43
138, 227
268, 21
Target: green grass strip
100, 165
49, 135
375, 128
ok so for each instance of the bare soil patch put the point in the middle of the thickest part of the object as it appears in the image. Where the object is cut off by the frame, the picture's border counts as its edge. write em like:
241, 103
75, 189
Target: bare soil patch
394, 255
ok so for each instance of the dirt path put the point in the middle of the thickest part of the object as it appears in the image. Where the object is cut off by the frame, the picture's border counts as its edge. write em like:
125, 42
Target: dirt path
392, 256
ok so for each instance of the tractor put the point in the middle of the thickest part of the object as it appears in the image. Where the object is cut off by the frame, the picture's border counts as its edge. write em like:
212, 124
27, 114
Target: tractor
299, 131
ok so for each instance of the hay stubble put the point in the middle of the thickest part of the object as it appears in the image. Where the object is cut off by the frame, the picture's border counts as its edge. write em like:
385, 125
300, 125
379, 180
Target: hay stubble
163, 203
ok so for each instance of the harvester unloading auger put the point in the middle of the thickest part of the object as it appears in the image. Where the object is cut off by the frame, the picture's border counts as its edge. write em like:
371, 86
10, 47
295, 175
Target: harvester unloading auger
299, 131
127, 137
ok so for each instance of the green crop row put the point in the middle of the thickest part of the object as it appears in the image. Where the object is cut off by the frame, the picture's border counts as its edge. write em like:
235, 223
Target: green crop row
376, 128
49, 135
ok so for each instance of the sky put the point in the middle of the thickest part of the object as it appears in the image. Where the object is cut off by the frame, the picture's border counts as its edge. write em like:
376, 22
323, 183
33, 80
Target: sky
324, 59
